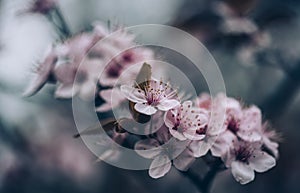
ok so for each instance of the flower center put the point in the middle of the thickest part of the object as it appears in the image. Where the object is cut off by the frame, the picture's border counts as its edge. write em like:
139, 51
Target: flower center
114, 70
243, 154
202, 130
233, 125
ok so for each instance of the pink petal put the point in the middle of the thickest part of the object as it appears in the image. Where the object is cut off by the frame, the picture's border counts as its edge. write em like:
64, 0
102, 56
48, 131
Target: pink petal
133, 94
145, 109
261, 161
148, 148
169, 119
222, 143
251, 136
160, 166
42, 74
167, 104
191, 134
272, 146
184, 161
200, 148
242, 172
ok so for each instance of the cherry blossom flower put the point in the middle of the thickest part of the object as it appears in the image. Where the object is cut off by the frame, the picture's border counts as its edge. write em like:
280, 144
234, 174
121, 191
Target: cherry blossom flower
245, 123
156, 95
153, 148
213, 129
61, 64
244, 158
187, 122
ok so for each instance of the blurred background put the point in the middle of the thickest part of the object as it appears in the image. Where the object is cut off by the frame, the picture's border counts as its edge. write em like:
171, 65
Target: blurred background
256, 44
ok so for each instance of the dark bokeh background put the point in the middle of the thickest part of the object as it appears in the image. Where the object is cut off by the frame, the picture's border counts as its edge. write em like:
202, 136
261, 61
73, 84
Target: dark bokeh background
256, 45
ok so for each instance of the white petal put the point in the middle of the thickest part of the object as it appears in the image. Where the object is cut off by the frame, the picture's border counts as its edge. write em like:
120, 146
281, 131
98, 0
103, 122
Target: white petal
145, 109
148, 148
160, 166
222, 143
242, 172
200, 148
251, 136
167, 104
133, 94
191, 134
169, 119
177, 134
261, 161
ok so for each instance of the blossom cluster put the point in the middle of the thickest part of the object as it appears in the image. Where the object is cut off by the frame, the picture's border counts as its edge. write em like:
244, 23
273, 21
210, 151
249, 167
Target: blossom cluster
88, 61
242, 141
98, 63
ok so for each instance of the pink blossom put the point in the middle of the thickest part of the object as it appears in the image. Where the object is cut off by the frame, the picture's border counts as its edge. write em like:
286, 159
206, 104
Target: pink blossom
244, 158
245, 123
213, 129
156, 95
61, 64
187, 122
151, 148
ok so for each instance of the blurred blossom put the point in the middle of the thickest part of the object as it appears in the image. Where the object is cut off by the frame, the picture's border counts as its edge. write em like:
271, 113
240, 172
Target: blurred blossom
81, 81
64, 154
249, 54
233, 23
